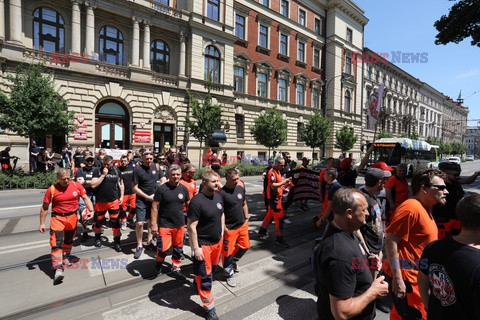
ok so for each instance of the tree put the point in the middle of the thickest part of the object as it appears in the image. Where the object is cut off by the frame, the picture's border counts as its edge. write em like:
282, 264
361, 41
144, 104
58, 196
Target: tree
463, 21
207, 118
384, 134
316, 131
269, 129
34, 109
458, 148
414, 135
447, 148
346, 138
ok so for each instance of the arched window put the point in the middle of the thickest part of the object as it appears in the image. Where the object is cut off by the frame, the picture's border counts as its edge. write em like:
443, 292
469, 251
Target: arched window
111, 46
48, 30
212, 64
160, 56
347, 101
112, 125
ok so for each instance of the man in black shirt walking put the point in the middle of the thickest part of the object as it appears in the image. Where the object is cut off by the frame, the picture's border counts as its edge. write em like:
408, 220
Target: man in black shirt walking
206, 223
129, 197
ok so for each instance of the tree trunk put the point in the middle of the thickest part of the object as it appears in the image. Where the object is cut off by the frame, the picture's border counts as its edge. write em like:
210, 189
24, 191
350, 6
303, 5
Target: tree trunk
200, 156
313, 158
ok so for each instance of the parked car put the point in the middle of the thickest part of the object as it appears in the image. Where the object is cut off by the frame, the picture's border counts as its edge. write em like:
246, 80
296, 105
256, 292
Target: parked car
470, 158
454, 160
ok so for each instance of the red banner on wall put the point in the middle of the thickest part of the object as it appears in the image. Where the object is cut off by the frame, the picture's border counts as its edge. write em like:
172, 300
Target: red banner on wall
142, 136
80, 128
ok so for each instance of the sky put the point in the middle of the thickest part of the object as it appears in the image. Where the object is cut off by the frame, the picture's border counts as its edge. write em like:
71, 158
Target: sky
407, 26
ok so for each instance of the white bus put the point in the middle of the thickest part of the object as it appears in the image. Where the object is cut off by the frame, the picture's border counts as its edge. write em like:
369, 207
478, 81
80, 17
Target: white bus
415, 153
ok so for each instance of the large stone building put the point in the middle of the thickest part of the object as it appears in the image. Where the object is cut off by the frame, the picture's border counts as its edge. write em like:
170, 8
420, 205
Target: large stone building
410, 107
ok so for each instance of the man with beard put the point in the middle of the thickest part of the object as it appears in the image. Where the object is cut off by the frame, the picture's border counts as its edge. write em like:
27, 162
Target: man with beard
129, 197
172, 157
84, 176
410, 230
206, 224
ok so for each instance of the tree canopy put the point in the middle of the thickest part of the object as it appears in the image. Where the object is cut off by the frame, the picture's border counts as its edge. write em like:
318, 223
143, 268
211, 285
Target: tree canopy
462, 21
206, 117
33, 108
346, 138
316, 131
269, 129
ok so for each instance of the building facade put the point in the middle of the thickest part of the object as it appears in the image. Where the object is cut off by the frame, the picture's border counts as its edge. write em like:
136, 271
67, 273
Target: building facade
473, 141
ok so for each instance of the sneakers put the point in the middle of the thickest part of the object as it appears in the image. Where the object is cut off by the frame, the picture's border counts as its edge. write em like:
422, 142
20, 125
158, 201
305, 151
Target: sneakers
177, 273
262, 233
211, 314
66, 261
57, 279
231, 282
236, 268
151, 247
117, 247
124, 225
287, 221
98, 241
281, 242
84, 237
138, 252
158, 267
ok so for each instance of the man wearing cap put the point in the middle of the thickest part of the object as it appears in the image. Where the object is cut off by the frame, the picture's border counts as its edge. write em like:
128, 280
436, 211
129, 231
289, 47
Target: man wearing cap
411, 229
346, 175
84, 176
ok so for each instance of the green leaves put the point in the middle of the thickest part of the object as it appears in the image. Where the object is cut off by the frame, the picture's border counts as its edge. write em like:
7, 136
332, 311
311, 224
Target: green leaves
34, 108
269, 128
316, 131
346, 138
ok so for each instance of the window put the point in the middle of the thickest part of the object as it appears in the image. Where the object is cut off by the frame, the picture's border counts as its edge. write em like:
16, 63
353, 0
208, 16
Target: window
302, 17
316, 58
266, 3
318, 26
369, 72
240, 26
300, 94
111, 45
212, 64
284, 8
284, 44
213, 9
348, 64
301, 52
160, 56
240, 125
316, 98
239, 79
48, 30
263, 36
347, 101
262, 85
299, 131
349, 35
282, 89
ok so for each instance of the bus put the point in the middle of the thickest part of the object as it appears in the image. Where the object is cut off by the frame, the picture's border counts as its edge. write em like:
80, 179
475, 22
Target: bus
415, 154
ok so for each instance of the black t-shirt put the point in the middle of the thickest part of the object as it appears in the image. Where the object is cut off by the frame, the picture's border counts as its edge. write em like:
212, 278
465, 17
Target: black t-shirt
127, 176
208, 212
109, 189
4, 154
87, 174
347, 178
146, 178
170, 211
233, 201
339, 272
78, 158
447, 211
454, 274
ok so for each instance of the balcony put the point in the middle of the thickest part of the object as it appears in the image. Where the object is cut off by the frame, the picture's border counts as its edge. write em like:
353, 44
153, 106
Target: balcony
53, 59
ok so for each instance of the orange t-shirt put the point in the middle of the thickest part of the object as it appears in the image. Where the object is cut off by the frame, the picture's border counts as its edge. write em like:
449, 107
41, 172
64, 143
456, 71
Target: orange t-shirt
192, 190
274, 176
416, 228
401, 189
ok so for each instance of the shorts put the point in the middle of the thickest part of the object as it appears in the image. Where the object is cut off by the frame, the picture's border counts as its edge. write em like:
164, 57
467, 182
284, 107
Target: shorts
144, 209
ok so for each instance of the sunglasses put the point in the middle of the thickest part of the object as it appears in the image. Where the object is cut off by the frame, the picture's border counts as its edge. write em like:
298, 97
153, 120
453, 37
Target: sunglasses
439, 186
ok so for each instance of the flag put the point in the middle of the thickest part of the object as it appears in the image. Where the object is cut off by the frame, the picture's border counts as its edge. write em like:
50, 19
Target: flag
374, 106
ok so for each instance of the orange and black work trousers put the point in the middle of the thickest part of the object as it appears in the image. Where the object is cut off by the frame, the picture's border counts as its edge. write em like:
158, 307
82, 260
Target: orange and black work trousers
168, 237
113, 209
129, 205
411, 306
449, 228
235, 243
203, 273
62, 233
276, 213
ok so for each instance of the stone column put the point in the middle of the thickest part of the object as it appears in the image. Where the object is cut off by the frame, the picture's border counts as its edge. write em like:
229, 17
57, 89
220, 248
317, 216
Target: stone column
90, 31
146, 45
16, 21
2, 21
76, 38
135, 42
181, 65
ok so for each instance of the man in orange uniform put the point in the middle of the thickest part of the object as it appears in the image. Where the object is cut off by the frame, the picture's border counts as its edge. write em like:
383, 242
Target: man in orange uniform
235, 240
411, 229
275, 207
396, 188
188, 172
206, 223
64, 197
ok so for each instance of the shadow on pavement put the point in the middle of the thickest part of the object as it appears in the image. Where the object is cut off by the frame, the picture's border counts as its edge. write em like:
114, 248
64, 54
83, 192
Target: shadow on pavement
293, 308
44, 263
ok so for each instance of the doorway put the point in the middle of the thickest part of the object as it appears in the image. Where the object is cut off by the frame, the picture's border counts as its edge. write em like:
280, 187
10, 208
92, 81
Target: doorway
112, 126
162, 135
